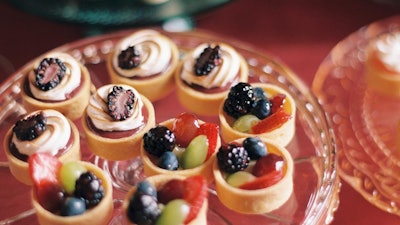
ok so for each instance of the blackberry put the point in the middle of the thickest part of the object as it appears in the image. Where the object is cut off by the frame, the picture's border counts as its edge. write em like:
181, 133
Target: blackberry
240, 100
232, 158
31, 127
143, 209
158, 140
255, 147
49, 73
89, 188
120, 103
208, 59
129, 58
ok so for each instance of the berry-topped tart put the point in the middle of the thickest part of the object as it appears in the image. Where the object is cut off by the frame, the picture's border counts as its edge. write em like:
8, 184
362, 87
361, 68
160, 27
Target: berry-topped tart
167, 199
40, 131
184, 145
145, 60
115, 121
382, 66
258, 109
206, 73
57, 81
253, 175
75, 192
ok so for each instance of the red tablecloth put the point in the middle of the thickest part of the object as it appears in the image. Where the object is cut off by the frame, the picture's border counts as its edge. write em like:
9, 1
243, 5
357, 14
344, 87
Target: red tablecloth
299, 32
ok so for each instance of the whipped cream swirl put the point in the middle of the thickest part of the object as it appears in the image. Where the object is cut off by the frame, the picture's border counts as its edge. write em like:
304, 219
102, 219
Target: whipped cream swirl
54, 138
70, 81
220, 76
97, 111
388, 51
154, 49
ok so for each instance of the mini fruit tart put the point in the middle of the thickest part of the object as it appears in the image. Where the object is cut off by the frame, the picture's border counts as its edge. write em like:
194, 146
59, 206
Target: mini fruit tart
258, 109
115, 121
145, 60
75, 192
206, 73
57, 81
184, 146
40, 131
167, 199
253, 175
382, 66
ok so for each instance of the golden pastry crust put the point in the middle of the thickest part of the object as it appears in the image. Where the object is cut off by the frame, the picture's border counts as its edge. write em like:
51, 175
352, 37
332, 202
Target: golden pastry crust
154, 87
19, 168
158, 181
261, 200
200, 102
282, 135
101, 214
119, 148
151, 169
72, 108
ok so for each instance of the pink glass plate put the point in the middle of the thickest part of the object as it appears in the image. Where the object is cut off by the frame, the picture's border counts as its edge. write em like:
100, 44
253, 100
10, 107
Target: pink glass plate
316, 184
364, 121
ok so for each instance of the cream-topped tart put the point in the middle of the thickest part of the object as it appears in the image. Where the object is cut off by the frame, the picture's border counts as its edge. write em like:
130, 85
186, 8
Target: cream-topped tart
205, 75
115, 120
57, 81
40, 131
145, 60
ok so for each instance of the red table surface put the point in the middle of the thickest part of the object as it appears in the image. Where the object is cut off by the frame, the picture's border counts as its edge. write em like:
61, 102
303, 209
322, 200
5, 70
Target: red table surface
298, 32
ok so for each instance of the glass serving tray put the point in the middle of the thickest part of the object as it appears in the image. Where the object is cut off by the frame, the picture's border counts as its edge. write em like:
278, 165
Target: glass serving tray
365, 122
316, 184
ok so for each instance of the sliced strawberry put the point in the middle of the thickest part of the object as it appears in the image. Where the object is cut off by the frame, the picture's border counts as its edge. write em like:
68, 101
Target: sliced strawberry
171, 190
277, 102
267, 164
211, 130
270, 123
264, 181
195, 194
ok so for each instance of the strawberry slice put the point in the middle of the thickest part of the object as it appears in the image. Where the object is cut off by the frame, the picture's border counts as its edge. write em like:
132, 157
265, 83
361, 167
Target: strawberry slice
211, 131
195, 194
277, 102
270, 123
264, 181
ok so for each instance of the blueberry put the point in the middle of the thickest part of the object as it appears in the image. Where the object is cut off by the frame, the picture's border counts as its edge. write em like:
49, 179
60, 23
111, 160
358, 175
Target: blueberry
168, 161
255, 147
261, 108
259, 93
73, 206
145, 187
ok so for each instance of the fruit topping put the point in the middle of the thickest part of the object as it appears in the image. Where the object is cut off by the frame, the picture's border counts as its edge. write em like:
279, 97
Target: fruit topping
211, 130
240, 100
29, 128
44, 169
120, 103
49, 73
255, 147
245, 123
195, 194
232, 158
143, 209
145, 187
168, 161
171, 190
174, 213
261, 108
270, 123
208, 60
185, 128
196, 152
277, 102
158, 140
69, 173
73, 206
239, 178
129, 58
268, 164
264, 181
90, 188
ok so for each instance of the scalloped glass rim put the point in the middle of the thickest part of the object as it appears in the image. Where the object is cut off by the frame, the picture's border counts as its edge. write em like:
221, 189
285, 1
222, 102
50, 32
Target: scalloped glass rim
313, 147
366, 138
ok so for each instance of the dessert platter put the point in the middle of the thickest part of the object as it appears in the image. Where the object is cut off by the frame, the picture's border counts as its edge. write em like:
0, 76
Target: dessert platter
362, 102
311, 183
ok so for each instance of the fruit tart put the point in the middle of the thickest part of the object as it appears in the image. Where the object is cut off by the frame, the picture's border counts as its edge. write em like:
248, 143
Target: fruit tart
184, 145
115, 121
75, 192
258, 109
206, 73
167, 199
253, 175
40, 131
382, 64
145, 60
57, 81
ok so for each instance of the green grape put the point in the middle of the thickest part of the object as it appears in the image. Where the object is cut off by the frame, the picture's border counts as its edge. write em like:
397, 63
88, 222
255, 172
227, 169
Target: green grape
195, 153
238, 178
174, 213
69, 173
244, 123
